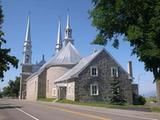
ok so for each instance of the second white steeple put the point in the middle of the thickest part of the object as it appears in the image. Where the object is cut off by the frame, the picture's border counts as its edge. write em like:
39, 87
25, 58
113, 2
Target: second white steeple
68, 32
59, 38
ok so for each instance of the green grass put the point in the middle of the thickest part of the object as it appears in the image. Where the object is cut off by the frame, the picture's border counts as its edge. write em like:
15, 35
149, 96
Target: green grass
155, 109
46, 99
151, 99
106, 105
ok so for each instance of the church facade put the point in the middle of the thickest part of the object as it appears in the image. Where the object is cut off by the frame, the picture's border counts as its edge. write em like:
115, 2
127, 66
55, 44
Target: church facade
68, 75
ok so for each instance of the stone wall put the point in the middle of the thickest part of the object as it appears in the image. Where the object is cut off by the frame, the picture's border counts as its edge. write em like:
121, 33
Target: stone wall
135, 89
26, 72
104, 62
42, 85
32, 88
158, 90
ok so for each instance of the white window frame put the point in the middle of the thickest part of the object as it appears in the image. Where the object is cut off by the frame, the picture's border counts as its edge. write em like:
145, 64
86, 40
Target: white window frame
94, 67
91, 90
116, 72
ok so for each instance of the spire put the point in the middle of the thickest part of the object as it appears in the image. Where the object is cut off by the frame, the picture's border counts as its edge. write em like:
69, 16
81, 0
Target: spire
27, 48
68, 22
28, 31
59, 38
43, 57
68, 32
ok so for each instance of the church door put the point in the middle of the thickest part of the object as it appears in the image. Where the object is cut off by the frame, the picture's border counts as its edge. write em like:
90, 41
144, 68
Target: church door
62, 93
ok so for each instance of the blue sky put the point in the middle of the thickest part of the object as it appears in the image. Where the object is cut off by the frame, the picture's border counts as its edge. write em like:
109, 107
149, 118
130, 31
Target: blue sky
44, 23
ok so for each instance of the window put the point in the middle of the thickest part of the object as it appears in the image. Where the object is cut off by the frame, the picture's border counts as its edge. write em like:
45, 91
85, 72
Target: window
94, 89
54, 92
114, 72
94, 71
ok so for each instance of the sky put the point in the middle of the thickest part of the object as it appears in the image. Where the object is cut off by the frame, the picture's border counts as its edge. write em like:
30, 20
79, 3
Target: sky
44, 16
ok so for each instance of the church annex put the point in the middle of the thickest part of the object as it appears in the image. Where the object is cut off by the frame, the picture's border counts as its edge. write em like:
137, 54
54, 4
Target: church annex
68, 75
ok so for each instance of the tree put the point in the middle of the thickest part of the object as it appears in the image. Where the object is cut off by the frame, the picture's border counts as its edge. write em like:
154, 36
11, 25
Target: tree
138, 100
12, 90
138, 21
117, 96
5, 58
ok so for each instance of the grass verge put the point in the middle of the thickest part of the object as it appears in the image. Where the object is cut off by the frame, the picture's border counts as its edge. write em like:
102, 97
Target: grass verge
46, 99
155, 109
107, 105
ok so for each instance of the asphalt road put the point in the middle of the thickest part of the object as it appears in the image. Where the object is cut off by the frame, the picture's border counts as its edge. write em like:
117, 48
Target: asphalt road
25, 110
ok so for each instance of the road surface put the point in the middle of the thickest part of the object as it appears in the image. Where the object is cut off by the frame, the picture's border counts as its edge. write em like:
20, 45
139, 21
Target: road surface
25, 110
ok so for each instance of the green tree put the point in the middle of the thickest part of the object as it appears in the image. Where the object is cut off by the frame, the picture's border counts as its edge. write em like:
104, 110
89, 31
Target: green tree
12, 90
5, 58
117, 96
137, 20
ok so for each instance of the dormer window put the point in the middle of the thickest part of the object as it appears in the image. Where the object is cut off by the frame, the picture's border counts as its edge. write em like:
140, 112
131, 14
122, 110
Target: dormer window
114, 72
94, 71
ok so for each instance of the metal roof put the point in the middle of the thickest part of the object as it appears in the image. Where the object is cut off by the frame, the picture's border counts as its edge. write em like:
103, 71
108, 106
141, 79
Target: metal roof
67, 56
83, 63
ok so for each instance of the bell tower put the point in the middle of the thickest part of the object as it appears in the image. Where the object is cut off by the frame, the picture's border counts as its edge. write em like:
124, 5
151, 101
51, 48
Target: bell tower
26, 62
68, 32
27, 48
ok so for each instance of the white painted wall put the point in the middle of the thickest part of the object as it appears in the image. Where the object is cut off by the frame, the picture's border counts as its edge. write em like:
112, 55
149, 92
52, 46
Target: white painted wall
70, 91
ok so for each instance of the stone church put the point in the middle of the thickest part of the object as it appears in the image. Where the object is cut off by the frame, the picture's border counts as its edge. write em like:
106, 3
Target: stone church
68, 75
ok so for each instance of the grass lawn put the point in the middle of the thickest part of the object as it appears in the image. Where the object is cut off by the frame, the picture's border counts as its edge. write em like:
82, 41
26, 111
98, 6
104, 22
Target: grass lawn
46, 99
155, 109
105, 105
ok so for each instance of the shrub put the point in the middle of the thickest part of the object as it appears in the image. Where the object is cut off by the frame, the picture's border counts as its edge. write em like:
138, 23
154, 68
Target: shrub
138, 100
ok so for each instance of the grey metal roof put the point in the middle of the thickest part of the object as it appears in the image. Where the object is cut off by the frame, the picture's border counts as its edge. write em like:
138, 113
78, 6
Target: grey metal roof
68, 55
74, 72
84, 62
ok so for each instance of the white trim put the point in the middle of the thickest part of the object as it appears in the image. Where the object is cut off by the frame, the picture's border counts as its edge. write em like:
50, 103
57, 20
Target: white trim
116, 70
93, 67
91, 88
61, 84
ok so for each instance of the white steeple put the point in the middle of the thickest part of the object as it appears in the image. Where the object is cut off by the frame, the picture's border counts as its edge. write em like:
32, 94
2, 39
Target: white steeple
27, 48
68, 32
68, 22
59, 38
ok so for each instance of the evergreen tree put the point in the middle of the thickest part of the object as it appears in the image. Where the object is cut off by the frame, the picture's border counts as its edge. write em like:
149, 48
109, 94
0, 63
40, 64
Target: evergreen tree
117, 95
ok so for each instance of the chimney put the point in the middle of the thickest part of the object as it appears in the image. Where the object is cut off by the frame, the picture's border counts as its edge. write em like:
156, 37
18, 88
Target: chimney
130, 71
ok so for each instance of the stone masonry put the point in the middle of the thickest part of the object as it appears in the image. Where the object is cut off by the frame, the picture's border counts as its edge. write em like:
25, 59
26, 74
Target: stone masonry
104, 62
